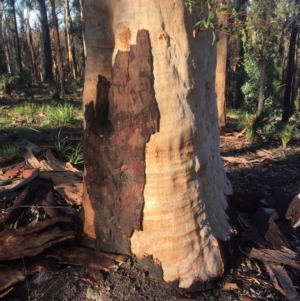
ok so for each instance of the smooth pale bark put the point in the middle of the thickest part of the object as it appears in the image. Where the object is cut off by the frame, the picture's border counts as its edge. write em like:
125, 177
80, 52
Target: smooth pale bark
183, 224
220, 85
30, 40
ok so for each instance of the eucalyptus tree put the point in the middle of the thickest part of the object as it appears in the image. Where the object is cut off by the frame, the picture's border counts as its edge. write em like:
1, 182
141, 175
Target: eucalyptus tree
288, 101
58, 50
154, 183
48, 77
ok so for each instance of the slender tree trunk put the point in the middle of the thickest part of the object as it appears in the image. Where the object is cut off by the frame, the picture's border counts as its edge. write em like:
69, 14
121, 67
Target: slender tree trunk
83, 38
261, 96
17, 37
5, 56
46, 41
220, 86
288, 101
154, 182
7, 42
70, 46
58, 48
30, 41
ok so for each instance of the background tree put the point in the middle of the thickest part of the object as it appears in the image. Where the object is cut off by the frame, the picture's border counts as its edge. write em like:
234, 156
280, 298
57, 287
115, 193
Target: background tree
18, 49
154, 182
58, 48
222, 50
46, 41
288, 101
69, 40
30, 40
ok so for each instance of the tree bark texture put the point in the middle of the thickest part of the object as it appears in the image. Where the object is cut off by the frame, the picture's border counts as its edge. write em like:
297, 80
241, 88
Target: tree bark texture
46, 41
58, 48
30, 42
18, 49
261, 90
69, 40
220, 86
288, 101
7, 41
154, 182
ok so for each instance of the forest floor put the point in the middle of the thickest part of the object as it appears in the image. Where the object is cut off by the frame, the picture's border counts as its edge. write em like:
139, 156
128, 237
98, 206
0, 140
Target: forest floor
265, 170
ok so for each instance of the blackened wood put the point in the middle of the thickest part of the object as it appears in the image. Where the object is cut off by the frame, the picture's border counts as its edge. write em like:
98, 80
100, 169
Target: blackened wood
117, 130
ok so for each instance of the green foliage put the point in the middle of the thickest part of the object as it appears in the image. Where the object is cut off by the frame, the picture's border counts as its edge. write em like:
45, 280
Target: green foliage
8, 149
7, 78
288, 131
250, 87
62, 115
254, 125
69, 149
206, 13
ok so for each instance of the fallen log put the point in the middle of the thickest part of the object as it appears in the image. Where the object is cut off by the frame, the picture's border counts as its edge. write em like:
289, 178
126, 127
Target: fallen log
30, 241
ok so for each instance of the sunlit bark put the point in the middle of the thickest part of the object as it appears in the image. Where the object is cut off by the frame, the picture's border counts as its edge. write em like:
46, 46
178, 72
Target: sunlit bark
154, 181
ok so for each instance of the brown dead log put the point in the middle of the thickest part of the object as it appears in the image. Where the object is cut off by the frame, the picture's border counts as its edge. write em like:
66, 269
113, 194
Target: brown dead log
285, 257
30, 241
17, 271
18, 183
86, 257
278, 274
49, 205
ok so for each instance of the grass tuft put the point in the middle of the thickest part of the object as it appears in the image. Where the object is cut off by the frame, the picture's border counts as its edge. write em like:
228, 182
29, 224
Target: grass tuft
9, 150
62, 115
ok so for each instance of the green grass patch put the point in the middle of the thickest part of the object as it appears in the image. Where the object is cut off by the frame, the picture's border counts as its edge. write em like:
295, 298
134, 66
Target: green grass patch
69, 149
63, 114
8, 149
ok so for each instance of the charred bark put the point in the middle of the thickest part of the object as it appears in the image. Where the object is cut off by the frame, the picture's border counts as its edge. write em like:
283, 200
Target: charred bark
117, 129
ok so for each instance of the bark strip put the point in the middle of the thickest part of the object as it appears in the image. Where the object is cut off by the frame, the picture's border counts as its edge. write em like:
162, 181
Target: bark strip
118, 127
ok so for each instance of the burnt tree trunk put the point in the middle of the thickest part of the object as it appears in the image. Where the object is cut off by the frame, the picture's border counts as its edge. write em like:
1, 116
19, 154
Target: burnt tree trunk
154, 184
114, 149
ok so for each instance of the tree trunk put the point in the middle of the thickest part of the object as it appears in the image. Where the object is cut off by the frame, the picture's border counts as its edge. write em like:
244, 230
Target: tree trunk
220, 86
154, 181
30, 41
70, 46
18, 49
58, 49
288, 102
261, 94
46, 41
83, 38
7, 41
6, 61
